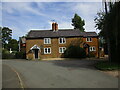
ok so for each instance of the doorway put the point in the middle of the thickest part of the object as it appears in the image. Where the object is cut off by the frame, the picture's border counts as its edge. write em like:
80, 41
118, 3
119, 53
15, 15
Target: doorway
36, 53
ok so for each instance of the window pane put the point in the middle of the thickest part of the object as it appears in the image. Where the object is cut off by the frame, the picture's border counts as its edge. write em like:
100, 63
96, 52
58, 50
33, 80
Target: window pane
64, 50
48, 40
94, 48
45, 40
60, 40
90, 48
48, 50
87, 39
90, 39
45, 50
63, 40
61, 50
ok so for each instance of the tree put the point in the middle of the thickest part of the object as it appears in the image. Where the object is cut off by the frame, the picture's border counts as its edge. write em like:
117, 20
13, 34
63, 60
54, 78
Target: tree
13, 44
6, 36
0, 36
78, 23
108, 24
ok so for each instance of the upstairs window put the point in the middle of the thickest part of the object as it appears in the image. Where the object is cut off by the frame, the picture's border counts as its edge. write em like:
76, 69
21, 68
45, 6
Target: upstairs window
62, 49
47, 40
89, 39
92, 48
62, 40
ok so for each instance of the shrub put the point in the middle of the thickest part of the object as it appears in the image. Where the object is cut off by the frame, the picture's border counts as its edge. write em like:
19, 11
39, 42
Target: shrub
7, 55
74, 52
20, 55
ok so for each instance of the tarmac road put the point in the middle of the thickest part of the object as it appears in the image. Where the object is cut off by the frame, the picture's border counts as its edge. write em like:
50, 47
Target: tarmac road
59, 74
9, 78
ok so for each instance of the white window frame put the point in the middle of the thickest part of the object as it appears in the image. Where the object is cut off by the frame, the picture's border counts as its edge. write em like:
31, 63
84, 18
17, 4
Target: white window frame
47, 51
62, 49
92, 48
62, 40
48, 40
88, 39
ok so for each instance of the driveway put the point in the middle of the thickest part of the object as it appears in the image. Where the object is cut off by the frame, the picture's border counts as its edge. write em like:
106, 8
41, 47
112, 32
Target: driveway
61, 74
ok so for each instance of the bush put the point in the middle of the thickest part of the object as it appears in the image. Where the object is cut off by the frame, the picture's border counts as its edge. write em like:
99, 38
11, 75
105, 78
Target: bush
75, 52
7, 55
20, 55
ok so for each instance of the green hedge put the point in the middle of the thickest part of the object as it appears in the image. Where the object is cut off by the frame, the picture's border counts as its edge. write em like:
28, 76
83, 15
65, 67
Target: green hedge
7, 55
14, 55
74, 52
20, 55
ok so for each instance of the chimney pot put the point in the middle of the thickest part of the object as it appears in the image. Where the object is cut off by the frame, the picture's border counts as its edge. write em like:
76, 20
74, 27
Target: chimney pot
56, 27
53, 26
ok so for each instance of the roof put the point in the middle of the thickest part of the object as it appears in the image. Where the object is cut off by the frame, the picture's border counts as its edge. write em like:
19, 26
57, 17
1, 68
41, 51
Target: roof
59, 33
22, 39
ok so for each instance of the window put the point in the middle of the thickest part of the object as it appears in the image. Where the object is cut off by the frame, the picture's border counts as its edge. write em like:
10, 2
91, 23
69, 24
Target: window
62, 40
47, 50
62, 49
89, 39
47, 40
92, 48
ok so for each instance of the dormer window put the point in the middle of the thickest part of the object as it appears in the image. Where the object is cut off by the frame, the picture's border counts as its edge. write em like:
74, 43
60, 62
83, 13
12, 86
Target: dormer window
89, 39
62, 40
47, 40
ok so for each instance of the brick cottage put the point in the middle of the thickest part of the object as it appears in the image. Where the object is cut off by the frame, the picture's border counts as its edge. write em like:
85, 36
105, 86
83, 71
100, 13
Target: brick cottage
53, 43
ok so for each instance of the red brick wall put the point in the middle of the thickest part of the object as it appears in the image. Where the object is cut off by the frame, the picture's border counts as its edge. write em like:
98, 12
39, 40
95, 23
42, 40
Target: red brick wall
55, 46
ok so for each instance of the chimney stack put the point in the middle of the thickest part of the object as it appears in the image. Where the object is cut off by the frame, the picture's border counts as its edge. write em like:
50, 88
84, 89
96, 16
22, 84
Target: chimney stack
54, 26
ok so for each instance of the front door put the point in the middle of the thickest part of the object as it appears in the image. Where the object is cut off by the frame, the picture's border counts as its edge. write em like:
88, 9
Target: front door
36, 53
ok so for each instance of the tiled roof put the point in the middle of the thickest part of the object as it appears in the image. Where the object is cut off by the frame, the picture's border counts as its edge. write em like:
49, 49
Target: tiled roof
59, 33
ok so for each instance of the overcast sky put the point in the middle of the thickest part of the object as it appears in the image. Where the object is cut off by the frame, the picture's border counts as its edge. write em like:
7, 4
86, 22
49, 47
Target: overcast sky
21, 17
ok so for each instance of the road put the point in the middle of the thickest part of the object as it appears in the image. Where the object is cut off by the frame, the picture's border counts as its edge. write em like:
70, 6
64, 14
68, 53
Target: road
60, 74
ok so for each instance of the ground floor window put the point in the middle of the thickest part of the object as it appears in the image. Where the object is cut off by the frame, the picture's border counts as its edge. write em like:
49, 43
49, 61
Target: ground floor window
47, 50
62, 49
92, 48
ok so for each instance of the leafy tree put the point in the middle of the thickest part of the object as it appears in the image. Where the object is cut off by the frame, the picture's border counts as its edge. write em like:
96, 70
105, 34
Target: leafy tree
108, 24
78, 23
6, 36
0, 36
13, 44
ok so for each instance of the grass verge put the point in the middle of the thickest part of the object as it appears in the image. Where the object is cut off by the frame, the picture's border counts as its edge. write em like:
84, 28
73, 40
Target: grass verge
107, 66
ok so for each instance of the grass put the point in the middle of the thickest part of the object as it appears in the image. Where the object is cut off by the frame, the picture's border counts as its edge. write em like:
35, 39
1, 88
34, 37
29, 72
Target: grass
105, 65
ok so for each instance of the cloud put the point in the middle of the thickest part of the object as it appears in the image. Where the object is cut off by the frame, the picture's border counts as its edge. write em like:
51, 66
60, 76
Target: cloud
65, 25
88, 11
0, 14
22, 17
53, 0
21, 8
16, 31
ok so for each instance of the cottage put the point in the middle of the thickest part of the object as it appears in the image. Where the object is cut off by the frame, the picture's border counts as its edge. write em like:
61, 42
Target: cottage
53, 43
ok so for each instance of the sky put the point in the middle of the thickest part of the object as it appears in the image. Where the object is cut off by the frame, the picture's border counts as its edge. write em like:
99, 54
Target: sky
22, 17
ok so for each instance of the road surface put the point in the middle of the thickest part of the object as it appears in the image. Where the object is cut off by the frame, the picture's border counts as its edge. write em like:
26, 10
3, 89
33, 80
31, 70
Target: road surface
60, 74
